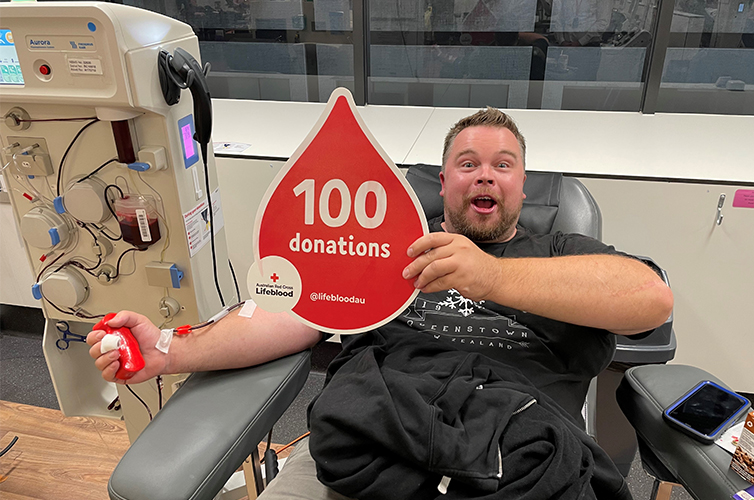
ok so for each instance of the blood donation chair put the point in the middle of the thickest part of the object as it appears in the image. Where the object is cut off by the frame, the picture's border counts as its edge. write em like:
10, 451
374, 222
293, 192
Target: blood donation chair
216, 419
666, 454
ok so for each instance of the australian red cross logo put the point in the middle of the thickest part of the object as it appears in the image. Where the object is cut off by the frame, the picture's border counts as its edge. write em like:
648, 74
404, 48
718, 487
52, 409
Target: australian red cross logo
331, 233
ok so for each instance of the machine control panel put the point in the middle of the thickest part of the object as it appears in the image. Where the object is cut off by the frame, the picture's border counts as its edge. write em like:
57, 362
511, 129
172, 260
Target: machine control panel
10, 66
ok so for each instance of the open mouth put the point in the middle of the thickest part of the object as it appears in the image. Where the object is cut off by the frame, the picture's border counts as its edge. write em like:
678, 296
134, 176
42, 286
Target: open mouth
483, 204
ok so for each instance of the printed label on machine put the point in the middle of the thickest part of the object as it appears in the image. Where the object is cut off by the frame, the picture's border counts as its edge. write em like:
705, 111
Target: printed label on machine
61, 43
197, 223
332, 230
85, 66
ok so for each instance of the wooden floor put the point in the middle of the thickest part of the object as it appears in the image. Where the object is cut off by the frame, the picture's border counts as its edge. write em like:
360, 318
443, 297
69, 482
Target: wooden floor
57, 457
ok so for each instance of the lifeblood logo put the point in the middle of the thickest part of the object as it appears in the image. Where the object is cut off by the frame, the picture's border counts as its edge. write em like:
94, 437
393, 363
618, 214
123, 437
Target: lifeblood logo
338, 217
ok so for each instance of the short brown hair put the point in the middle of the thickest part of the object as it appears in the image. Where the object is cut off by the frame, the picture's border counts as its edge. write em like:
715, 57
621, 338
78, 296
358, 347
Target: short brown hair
489, 117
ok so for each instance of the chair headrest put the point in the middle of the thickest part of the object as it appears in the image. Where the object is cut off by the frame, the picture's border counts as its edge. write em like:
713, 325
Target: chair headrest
540, 208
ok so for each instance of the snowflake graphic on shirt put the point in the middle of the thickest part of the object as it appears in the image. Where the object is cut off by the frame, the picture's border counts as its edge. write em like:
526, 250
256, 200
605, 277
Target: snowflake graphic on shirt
456, 300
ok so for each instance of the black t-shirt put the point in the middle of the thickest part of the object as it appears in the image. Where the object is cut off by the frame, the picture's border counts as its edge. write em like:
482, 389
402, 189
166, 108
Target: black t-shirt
558, 358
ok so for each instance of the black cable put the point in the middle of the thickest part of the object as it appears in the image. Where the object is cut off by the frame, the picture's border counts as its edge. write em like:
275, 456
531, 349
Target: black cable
108, 162
114, 404
116, 187
72, 311
57, 119
210, 322
201, 325
267, 448
141, 401
89, 270
107, 199
53, 305
72, 262
236, 305
104, 233
117, 266
7, 448
269, 440
83, 224
77, 314
48, 266
62, 160
235, 281
211, 223
80, 265
159, 392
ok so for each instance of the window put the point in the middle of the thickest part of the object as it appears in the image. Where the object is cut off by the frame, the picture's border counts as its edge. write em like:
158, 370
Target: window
709, 65
563, 54
290, 50
613, 55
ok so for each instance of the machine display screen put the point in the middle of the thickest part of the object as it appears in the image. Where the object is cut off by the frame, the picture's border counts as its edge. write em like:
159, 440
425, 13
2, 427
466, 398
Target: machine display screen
186, 131
10, 68
188, 141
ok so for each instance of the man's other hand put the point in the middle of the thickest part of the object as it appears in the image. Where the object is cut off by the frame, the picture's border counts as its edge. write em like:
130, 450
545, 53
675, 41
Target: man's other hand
448, 260
145, 332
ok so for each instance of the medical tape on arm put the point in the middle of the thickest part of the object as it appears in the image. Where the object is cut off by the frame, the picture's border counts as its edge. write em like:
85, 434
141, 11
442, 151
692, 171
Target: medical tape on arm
166, 337
247, 311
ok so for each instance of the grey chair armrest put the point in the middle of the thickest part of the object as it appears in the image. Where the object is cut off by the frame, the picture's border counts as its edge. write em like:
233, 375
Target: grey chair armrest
703, 469
206, 430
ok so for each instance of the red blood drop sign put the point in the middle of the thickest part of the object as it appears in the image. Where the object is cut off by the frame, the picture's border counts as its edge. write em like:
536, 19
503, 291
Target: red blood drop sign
331, 233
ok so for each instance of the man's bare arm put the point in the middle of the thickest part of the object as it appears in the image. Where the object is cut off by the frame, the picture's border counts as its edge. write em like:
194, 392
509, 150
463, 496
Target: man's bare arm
612, 292
233, 342
237, 342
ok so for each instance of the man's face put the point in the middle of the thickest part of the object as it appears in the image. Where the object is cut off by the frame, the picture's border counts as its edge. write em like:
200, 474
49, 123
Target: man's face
483, 184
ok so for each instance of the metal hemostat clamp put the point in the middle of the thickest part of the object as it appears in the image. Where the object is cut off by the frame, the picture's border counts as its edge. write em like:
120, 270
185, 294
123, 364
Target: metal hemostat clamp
68, 336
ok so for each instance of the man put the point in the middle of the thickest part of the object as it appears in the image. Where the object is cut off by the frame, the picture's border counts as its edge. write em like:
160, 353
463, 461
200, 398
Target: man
544, 306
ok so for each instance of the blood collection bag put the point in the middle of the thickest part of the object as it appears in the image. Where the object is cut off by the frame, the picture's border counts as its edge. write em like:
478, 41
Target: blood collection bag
137, 217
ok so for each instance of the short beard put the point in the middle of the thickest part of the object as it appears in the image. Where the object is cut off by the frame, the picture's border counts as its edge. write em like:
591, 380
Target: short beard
478, 232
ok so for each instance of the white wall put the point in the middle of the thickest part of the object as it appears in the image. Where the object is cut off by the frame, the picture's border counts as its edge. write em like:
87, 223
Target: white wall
709, 265
665, 146
15, 274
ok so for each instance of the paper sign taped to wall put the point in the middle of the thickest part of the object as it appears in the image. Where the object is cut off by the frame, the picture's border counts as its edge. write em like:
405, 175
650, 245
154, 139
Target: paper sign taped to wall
332, 231
744, 198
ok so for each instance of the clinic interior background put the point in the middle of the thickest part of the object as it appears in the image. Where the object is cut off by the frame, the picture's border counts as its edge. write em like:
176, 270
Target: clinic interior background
654, 112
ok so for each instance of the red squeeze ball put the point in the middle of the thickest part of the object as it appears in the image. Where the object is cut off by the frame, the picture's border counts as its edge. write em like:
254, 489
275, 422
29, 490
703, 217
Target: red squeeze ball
131, 360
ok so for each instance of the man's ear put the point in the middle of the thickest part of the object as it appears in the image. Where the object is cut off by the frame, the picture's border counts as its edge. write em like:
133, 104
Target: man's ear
442, 184
522, 190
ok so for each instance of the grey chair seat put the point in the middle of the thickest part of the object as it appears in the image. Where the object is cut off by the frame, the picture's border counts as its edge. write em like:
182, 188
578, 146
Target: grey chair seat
703, 470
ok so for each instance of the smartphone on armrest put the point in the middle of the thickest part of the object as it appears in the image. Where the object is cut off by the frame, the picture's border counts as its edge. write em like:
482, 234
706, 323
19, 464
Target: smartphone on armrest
706, 411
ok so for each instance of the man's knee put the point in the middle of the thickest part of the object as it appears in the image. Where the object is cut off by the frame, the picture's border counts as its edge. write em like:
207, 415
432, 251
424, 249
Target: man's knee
298, 479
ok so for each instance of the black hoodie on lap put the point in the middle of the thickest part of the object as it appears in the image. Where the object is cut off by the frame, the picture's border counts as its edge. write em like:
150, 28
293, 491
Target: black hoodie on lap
394, 419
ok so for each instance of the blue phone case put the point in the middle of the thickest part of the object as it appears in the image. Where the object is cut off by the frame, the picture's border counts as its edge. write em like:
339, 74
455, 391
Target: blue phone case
713, 435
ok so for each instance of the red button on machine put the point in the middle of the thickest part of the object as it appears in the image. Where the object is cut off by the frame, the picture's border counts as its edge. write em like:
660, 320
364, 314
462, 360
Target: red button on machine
45, 69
